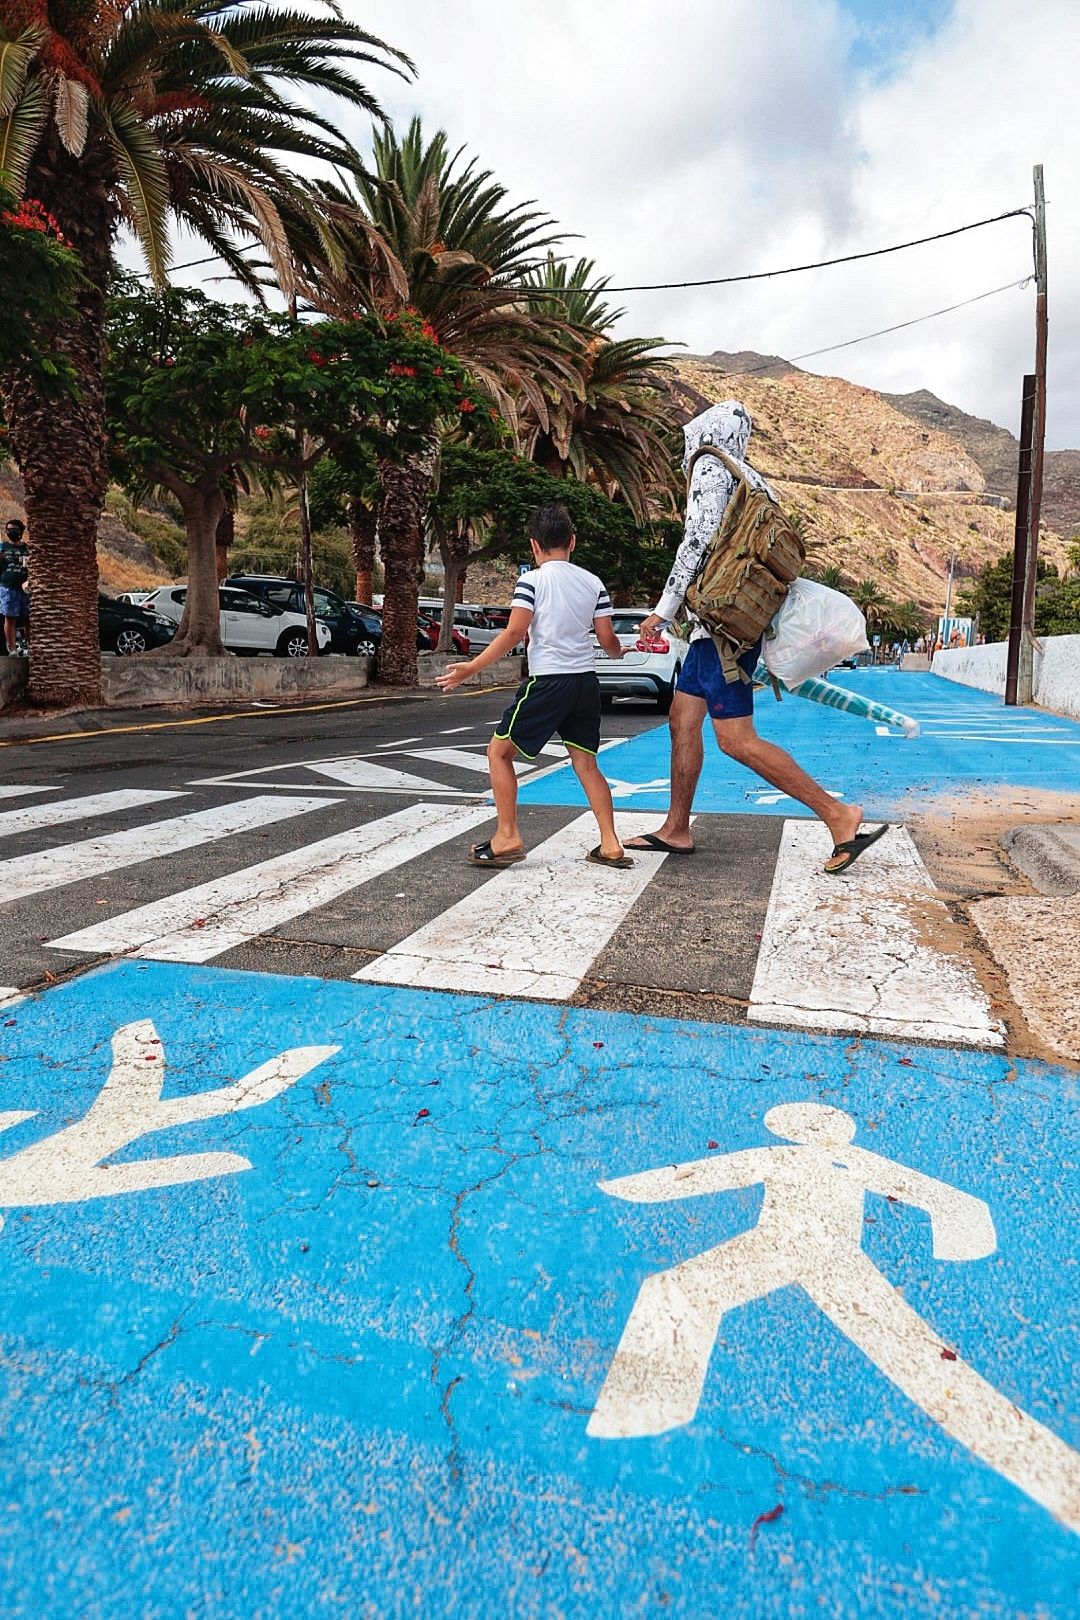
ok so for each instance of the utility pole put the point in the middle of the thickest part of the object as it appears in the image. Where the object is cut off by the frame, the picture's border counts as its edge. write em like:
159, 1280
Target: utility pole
1020, 544
1038, 441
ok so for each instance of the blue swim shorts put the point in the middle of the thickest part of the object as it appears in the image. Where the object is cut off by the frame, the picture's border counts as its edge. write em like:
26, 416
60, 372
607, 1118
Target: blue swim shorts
702, 677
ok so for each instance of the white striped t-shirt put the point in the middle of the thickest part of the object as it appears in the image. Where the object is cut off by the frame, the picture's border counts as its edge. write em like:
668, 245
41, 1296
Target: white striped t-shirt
563, 600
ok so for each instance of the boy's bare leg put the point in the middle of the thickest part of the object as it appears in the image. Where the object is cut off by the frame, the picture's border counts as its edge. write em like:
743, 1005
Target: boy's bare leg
687, 757
11, 635
738, 740
501, 755
598, 794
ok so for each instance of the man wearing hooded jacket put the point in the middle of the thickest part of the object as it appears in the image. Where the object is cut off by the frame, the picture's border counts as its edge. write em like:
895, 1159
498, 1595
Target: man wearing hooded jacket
702, 689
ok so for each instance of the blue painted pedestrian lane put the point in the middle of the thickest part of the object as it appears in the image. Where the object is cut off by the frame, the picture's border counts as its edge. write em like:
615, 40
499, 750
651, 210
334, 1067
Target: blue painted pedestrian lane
968, 740
346, 1299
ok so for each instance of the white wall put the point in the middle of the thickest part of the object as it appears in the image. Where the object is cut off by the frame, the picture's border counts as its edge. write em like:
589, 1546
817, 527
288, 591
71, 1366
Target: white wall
1057, 671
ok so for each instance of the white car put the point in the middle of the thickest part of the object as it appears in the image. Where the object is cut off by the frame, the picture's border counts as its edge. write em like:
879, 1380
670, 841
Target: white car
649, 674
248, 624
471, 620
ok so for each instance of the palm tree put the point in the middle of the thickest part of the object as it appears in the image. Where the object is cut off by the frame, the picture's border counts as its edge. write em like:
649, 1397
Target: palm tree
868, 595
831, 575
145, 113
620, 430
438, 235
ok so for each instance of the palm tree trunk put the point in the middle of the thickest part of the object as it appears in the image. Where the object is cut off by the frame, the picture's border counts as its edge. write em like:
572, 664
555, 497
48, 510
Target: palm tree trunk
406, 491
362, 524
60, 444
199, 635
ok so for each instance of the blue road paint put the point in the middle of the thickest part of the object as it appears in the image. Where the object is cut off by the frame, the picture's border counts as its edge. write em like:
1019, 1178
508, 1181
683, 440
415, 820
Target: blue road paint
969, 740
356, 1377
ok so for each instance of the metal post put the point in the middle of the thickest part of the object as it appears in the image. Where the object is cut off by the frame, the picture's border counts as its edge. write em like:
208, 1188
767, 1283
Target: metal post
1020, 543
305, 530
1038, 440
948, 600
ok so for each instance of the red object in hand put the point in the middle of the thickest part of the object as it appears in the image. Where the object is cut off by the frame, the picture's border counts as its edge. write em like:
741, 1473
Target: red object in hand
653, 644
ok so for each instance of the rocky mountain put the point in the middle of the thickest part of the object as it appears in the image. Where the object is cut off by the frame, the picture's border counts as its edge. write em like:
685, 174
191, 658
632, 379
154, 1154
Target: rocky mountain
125, 562
887, 494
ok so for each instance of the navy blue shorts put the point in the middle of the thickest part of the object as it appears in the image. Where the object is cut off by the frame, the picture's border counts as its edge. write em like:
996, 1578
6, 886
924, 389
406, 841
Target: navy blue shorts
546, 704
702, 677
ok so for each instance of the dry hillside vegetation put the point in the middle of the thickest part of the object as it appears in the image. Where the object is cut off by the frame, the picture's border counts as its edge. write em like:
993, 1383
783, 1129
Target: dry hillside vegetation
879, 493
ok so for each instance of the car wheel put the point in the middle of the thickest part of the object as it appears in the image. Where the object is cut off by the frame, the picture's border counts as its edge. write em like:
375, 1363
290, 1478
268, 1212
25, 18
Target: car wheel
293, 644
130, 639
366, 649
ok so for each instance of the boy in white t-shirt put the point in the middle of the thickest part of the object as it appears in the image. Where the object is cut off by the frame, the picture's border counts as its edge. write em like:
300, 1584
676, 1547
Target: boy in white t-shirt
560, 605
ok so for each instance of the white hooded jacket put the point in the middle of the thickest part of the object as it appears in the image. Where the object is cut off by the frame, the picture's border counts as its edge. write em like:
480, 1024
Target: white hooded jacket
727, 425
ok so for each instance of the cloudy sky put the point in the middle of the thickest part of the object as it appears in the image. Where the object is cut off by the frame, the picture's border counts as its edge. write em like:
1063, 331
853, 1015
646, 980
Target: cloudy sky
682, 139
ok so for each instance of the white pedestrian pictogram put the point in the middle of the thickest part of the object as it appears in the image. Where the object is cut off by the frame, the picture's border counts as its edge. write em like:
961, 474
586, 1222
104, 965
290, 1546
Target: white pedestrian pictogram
809, 1235
75, 1163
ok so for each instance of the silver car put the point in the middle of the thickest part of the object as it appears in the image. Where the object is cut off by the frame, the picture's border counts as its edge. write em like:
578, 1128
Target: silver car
647, 674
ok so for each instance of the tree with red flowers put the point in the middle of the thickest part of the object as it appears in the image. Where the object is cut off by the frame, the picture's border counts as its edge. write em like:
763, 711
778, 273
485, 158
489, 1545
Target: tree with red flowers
39, 274
203, 399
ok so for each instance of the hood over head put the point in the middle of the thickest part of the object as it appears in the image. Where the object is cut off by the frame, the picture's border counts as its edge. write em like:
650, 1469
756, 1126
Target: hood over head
726, 425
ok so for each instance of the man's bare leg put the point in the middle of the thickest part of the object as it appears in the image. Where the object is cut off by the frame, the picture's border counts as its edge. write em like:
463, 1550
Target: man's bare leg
598, 794
687, 757
739, 741
501, 755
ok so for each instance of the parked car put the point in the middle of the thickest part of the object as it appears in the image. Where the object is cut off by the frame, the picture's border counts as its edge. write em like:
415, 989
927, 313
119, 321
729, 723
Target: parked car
429, 629
138, 598
125, 628
249, 625
640, 673
354, 630
468, 618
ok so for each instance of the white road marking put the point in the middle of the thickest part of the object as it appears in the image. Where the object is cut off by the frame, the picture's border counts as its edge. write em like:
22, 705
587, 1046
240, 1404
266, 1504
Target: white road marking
463, 760
70, 863
198, 924
75, 1162
531, 930
846, 952
809, 1235
454, 731
401, 743
9, 996
29, 818
367, 773
14, 792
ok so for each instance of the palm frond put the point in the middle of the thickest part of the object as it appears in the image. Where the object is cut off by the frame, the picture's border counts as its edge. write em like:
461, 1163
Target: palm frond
16, 55
145, 184
20, 132
72, 113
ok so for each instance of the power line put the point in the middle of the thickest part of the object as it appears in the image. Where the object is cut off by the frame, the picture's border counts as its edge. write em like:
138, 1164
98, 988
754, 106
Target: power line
795, 269
1010, 286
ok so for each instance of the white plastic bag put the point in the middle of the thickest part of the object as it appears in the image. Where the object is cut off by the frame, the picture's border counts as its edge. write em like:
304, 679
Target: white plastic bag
813, 630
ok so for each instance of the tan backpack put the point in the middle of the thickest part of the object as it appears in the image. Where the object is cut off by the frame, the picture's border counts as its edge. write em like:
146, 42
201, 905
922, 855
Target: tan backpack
745, 574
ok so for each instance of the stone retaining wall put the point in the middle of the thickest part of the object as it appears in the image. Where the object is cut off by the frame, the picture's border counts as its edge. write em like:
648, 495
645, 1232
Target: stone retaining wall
1057, 671
507, 672
141, 682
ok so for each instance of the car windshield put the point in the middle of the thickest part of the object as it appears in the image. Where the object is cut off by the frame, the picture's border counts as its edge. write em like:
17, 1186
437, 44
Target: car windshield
627, 624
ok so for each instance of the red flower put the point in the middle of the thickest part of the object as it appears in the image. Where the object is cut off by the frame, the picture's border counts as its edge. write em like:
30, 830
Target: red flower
437, 372
398, 370
428, 331
262, 432
315, 357
466, 406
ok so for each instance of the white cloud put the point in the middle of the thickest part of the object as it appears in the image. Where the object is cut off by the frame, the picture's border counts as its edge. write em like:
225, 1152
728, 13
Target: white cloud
708, 137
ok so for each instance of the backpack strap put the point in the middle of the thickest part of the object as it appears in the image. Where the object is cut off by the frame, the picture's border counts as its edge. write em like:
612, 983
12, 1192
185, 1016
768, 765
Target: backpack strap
721, 455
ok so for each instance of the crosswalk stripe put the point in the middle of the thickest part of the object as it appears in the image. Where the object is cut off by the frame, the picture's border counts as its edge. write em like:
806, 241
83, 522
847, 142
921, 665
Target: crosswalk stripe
200, 923
54, 868
532, 930
28, 818
852, 953
21, 791
463, 760
368, 773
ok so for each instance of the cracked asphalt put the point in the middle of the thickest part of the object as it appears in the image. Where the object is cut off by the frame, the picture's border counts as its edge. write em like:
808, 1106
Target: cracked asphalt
338, 1353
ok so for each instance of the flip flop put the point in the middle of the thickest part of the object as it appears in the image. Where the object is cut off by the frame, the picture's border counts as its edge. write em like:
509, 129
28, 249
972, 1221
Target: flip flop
621, 861
484, 855
854, 847
654, 841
